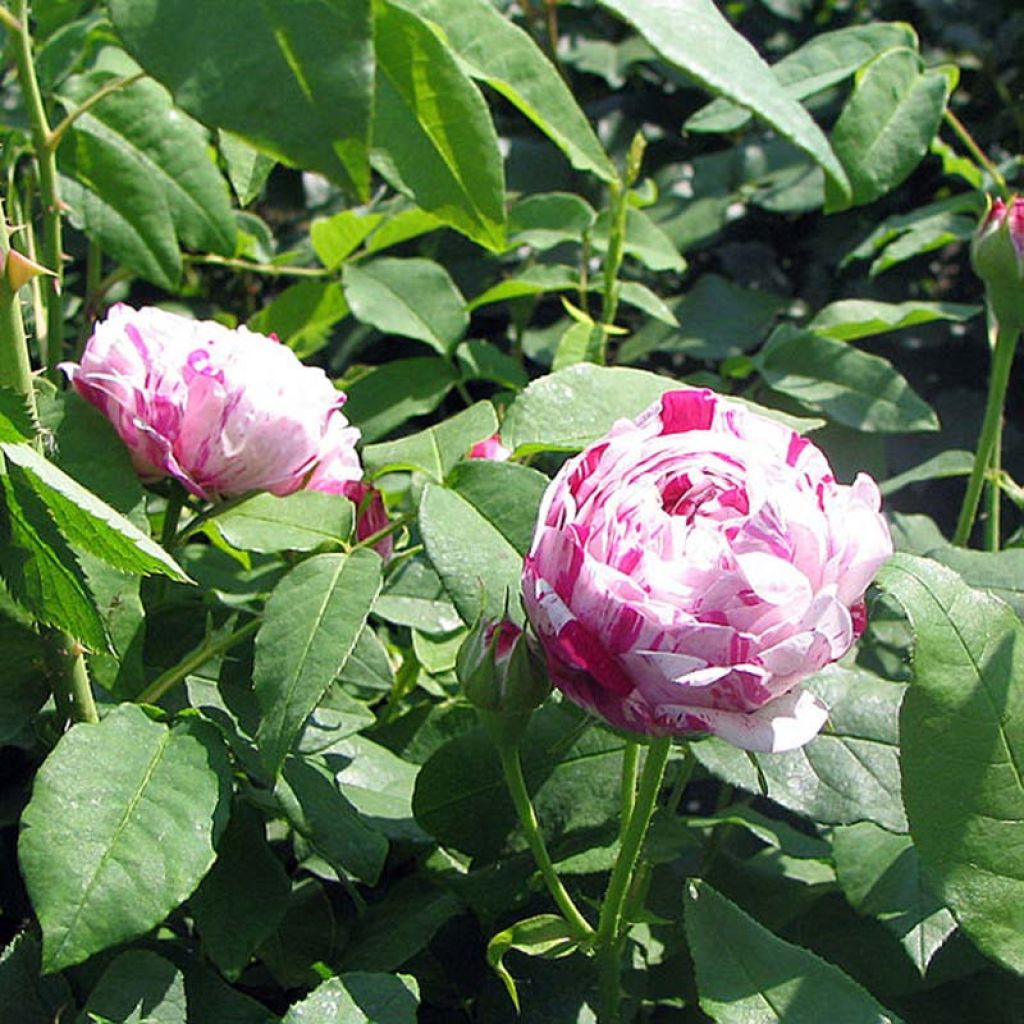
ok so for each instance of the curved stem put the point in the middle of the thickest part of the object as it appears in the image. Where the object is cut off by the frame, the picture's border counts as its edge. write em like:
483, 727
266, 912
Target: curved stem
976, 151
513, 769
196, 523
608, 942
1002, 361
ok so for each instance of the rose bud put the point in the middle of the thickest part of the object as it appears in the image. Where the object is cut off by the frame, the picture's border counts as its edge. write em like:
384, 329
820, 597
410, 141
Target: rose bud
491, 449
222, 411
997, 254
501, 676
689, 569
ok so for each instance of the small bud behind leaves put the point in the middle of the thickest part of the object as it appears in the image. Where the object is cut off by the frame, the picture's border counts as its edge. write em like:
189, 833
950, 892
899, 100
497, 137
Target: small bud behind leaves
997, 254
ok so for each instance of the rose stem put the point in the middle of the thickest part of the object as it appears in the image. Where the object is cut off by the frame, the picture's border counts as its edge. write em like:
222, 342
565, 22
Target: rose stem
607, 944
64, 655
1002, 361
513, 769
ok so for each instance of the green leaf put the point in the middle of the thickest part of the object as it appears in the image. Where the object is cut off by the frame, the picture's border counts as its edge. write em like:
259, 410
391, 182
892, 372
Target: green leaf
716, 319
244, 895
359, 998
298, 522
303, 315
548, 219
388, 395
138, 986
645, 241
508, 496
695, 37
850, 319
436, 450
401, 226
954, 462
962, 747
581, 343
479, 567
535, 280
24, 686
17, 422
482, 360
317, 810
433, 136
413, 298
510, 62
887, 124
146, 805
307, 69
415, 597
849, 773
312, 621
88, 522
25, 996
825, 60
247, 168
633, 293
41, 571
851, 387
546, 935
746, 975
335, 238
880, 874
140, 124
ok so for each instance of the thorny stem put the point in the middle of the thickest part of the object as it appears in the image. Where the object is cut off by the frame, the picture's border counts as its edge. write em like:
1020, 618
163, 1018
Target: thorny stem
513, 770
1002, 362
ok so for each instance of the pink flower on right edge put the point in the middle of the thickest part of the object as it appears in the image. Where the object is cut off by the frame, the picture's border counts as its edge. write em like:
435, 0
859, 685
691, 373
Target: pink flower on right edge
690, 568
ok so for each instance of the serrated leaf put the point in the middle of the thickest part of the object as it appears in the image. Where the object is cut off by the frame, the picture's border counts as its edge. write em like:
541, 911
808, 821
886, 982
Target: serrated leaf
307, 69
298, 522
433, 136
146, 805
501, 54
695, 37
311, 623
435, 450
962, 745
359, 998
88, 522
887, 124
823, 61
479, 567
880, 874
851, 387
17, 423
41, 571
747, 975
413, 298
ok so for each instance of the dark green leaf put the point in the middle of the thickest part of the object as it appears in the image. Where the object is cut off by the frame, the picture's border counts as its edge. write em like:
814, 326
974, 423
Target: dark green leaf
303, 315
433, 135
695, 37
861, 318
24, 686
415, 597
388, 395
25, 996
939, 467
17, 422
299, 522
138, 986
146, 805
413, 298
312, 621
481, 360
247, 168
436, 450
746, 975
851, 387
307, 69
359, 998
962, 746
548, 219
546, 935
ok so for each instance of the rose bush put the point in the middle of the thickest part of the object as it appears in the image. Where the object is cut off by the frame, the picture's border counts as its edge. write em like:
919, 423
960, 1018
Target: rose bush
222, 411
689, 569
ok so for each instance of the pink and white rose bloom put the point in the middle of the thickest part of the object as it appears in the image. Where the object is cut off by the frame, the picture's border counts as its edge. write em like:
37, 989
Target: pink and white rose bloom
690, 568
222, 411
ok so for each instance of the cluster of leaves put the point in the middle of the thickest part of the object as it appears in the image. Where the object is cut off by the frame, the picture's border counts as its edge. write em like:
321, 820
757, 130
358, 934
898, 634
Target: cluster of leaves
287, 812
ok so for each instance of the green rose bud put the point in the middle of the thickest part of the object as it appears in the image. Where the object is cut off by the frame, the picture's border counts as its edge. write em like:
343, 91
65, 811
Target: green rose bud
997, 254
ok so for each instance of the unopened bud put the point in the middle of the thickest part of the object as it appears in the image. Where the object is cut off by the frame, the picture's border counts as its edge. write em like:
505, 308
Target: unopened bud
997, 254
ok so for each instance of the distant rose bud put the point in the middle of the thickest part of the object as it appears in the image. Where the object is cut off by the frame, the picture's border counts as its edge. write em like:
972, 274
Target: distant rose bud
693, 566
491, 449
997, 254
224, 412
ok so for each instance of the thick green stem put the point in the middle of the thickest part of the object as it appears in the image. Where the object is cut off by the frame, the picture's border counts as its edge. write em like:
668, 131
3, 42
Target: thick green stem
993, 494
69, 676
1002, 362
608, 942
513, 769
46, 158
630, 765
15, 368
211, 647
